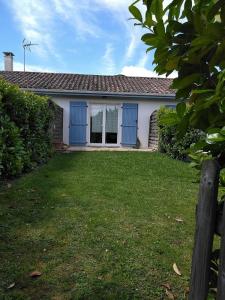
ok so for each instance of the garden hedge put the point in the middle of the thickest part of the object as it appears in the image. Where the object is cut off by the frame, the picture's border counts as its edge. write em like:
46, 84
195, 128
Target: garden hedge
169, 143
25, 130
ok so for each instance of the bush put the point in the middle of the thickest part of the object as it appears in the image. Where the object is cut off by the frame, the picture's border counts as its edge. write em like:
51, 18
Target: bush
12, 154
25, 122
168, 141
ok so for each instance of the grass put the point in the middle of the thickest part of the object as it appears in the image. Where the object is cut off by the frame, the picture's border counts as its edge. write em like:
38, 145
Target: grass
98, 225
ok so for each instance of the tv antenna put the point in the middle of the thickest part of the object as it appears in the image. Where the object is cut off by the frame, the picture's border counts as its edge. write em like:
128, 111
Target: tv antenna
26, 46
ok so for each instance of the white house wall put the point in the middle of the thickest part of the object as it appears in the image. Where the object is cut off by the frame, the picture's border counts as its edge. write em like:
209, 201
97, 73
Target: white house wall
145, 109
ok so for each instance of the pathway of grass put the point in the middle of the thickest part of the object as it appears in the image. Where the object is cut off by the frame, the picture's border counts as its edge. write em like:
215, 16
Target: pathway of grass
98, 225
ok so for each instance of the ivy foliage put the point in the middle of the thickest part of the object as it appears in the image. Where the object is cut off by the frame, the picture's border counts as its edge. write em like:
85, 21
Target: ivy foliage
25, 135
189, 37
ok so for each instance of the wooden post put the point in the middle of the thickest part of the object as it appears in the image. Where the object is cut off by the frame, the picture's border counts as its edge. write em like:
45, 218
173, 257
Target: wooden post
205, 227
221, 275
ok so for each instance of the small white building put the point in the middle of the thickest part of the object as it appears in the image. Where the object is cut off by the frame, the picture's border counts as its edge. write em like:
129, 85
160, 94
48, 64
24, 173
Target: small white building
109, 111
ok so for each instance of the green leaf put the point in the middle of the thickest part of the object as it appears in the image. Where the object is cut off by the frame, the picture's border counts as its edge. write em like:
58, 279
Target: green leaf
216, 58
198, 146
222, 131
202, 41
222, 14
157, 9
203, 102
150, 48
148, 19
181, 83
187, 12
172, 63
213, 130
151, 40
148, 37
215, 138
135, 12
202, 91
183, 94
222, 177
181, 108
183, 126
215, 9
174, 8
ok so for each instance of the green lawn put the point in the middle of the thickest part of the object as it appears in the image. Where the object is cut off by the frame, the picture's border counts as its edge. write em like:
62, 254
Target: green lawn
98, 225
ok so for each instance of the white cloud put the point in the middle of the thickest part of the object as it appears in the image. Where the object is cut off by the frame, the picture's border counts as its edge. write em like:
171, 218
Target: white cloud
108, 61
18, 66
82, 14
114, 4
143, 60
35, 21
79, 14
131, 47
143, 72
119, 10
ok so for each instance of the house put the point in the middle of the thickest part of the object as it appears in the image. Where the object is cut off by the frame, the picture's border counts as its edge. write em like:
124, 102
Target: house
109, 111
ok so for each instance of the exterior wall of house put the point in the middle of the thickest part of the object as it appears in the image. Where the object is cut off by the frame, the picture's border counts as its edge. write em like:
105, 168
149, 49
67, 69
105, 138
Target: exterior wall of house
145, 109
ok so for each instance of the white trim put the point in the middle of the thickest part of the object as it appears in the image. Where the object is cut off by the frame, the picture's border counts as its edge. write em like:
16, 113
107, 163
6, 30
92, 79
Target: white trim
57, 92
104, 144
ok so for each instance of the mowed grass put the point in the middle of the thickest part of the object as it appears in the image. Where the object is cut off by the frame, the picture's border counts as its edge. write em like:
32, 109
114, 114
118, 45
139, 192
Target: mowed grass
98, 225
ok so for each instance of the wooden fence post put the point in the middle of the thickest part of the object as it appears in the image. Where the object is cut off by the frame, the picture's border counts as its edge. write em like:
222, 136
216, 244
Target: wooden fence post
205, 227
221, 275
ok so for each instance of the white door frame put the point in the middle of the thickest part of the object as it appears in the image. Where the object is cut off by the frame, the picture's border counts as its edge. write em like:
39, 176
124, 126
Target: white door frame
104, 144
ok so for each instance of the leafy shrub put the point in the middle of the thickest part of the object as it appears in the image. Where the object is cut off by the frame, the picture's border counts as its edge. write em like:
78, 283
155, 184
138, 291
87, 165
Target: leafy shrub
25, 138
12, 154
168, 140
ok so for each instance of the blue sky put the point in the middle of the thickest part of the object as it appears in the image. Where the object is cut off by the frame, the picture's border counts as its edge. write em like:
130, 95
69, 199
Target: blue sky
74, 36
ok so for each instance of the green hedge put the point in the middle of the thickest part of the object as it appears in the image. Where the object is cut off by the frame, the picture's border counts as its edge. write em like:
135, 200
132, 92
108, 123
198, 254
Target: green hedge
25, 135
168, 141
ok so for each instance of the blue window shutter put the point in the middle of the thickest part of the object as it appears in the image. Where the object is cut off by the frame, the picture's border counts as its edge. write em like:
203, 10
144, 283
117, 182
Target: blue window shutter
129, 124
78, 123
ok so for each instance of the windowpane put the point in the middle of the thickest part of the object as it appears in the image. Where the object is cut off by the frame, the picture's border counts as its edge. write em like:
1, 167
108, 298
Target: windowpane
96, 124
111, 126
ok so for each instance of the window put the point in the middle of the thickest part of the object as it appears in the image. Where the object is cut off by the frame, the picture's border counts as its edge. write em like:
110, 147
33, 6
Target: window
96, 124
111, 125
104, 124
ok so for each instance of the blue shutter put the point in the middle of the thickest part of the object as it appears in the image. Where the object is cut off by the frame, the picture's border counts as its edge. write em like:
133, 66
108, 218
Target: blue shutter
129, 124
78, 123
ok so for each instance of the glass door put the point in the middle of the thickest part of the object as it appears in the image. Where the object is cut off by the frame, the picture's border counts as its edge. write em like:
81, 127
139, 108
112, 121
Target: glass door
96, 124
111, 124
104, 124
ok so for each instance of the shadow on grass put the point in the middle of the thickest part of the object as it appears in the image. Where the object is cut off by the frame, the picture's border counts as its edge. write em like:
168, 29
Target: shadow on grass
31, 239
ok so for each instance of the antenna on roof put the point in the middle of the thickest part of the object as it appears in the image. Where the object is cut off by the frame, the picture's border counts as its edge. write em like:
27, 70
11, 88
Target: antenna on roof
26, 46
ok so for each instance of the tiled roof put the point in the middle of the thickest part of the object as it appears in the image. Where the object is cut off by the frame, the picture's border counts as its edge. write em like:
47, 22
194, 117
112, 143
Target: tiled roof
89, 83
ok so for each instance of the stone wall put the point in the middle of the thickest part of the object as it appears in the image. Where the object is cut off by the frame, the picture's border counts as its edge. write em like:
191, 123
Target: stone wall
153, 131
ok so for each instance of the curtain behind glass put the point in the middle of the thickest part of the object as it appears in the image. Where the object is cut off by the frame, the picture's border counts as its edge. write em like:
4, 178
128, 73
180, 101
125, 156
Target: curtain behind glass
111, 119
96, 120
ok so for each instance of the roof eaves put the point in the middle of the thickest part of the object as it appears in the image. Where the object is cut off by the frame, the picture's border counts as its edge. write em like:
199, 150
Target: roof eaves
54, 92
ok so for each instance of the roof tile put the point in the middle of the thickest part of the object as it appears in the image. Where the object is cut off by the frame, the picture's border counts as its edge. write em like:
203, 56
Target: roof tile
90, 83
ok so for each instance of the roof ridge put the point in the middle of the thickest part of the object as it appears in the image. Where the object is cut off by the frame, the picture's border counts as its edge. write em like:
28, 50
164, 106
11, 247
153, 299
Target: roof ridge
81, 74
